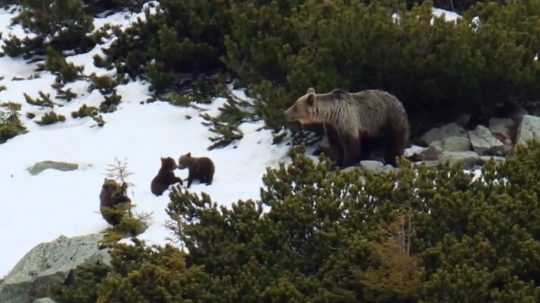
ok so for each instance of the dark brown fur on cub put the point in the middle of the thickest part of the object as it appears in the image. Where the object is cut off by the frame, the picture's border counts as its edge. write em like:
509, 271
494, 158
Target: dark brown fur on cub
165, 177
112, 196
352, 118
201, 168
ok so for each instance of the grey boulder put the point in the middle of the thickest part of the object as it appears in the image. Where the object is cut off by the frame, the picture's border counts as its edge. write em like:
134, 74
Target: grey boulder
47, 266
39, 167
484, 142
529, 129
445, 131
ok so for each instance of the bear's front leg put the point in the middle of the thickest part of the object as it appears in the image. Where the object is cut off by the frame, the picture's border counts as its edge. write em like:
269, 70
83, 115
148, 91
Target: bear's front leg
190, 179
351, 150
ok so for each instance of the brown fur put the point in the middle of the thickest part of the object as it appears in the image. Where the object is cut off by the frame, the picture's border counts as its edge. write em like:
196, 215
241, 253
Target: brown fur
112, 194
201, 168
165, 177
353, 118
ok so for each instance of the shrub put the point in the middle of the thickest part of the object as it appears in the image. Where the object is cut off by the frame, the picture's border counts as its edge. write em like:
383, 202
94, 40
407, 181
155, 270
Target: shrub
279, 48
44, 100
419, 235
183, 37
51, 118
110, 103
10, 124
56, 63
105, 84
60, 24
99, 6
85, 111
428, 65
225, 125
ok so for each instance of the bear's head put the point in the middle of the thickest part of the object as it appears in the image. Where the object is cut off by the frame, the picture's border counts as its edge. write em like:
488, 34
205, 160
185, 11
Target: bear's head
304, 109
110, 185
168, 163
184, 161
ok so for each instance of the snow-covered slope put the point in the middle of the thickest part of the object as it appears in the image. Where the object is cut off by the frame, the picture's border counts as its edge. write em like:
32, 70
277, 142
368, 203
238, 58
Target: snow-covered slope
34, 209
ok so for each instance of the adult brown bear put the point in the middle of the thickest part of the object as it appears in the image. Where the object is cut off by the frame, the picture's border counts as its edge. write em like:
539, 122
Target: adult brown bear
352, 118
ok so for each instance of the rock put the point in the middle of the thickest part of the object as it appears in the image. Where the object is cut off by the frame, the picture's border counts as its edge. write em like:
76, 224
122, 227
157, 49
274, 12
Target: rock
529, 129
468, 158
484, 143
501, 126
47, 265
448, 130
372, 166
413, 150
502, 129
44, 300
453, 143
428, 154
43, 165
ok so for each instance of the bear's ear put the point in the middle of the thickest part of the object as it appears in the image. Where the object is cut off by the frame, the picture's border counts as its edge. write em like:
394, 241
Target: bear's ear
311, 90
310, 99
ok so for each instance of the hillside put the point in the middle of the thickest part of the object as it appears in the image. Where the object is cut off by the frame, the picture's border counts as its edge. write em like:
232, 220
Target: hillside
41, 208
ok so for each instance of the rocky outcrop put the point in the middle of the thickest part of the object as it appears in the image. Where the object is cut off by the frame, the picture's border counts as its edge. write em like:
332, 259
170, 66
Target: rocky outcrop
39, 167
502, 129
44, 300
371, 166
468, 159
484, 142
443, 132
452, 144
428, 154
529, 129
47, 266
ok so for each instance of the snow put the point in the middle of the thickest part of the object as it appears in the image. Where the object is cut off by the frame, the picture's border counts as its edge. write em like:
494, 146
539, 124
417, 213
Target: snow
448, 16
40, 208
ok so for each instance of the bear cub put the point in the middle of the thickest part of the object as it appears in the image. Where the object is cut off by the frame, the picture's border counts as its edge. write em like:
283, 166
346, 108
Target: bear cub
165, 177
112, 196
201, 168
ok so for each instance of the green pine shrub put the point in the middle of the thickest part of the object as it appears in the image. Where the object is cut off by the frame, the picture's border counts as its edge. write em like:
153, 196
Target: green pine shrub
319, 235
56, 63
130, 225
51, 118
111, 102
64, 94
10, 123
225, 125
278, 49
60, 24
135, 271
451, 66
85, 111
105, 84
183, 37
108, 6
44, 100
